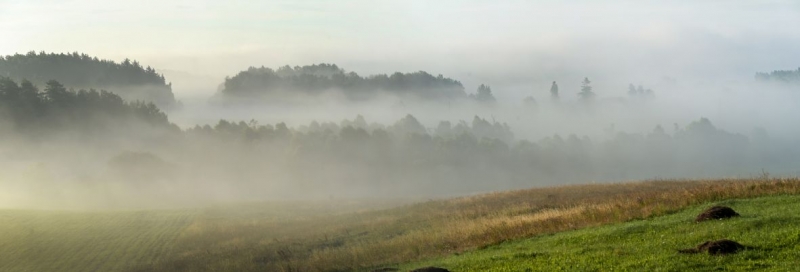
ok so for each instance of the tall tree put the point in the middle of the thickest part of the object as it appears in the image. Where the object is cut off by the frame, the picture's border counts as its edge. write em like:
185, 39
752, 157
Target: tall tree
632, 90
57, 94
554, 91
485, 94
586, 93
640, 92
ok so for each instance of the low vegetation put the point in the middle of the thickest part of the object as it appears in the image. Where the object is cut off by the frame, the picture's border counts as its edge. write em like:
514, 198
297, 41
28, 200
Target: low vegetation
86, 241
767, 231
348, 236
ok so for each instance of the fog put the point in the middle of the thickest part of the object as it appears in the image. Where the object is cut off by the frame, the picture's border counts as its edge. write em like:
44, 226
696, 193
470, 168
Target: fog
708, 115
736, 106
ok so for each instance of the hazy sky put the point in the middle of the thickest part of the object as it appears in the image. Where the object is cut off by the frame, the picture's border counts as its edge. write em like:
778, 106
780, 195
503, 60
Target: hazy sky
500, 42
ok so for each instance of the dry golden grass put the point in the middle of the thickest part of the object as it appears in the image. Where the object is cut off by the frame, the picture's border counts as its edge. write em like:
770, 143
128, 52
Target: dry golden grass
363, 240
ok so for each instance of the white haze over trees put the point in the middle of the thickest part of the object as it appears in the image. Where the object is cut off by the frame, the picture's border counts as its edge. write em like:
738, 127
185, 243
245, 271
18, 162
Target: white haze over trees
320, 99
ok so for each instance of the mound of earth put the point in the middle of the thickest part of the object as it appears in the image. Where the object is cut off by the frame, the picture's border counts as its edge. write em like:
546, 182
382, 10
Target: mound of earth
716, 212
430, 269
387, 269
718, 247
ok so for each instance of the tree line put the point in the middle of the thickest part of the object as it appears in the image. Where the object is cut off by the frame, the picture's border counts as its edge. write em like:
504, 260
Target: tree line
783, 76
402, 156
26, 109
318, 78
128, 79
475, 156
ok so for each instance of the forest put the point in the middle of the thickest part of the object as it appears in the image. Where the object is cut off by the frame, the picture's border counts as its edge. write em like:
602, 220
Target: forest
38, 113
357, 158
782, 76
127, 79
315, 79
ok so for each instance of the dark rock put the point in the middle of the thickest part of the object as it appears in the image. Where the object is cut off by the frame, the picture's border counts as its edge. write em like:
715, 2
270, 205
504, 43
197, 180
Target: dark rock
718, 247
716, 212
385, 269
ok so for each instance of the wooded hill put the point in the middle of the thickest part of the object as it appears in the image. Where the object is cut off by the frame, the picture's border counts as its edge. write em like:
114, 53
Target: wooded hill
315, 79
35, 113
128, 79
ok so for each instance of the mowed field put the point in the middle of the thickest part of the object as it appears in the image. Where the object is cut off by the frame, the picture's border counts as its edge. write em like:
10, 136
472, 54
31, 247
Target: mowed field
352, 235
37, 240
87, 241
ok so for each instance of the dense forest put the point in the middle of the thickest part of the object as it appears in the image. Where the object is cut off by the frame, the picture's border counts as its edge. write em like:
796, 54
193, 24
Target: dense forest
358, 158
784, 76
406, 157
315, 79
27, 110
128, 79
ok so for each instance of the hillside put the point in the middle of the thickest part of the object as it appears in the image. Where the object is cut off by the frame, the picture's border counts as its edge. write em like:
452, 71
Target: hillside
767, 224
128, 79
362, 235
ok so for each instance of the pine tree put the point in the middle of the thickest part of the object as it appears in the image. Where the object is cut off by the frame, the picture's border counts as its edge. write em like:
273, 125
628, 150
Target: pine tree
586, 93
554, 91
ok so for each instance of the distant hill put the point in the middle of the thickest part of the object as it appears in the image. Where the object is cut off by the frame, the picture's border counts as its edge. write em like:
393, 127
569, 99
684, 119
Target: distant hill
315, 79
785, 76
127, 79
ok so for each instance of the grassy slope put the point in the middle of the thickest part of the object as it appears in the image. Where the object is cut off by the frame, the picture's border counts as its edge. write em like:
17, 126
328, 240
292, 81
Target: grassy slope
771, 224
86, 241
338, 235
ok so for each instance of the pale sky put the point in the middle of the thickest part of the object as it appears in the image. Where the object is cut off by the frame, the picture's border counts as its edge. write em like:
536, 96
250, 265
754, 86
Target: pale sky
501, 42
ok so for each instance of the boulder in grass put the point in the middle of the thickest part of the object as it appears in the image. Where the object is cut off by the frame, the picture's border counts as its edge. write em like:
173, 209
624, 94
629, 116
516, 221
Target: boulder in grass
716, 212
719, 247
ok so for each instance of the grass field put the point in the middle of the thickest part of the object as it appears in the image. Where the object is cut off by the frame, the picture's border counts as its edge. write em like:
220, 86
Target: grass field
349, 235
86, 241
770, 224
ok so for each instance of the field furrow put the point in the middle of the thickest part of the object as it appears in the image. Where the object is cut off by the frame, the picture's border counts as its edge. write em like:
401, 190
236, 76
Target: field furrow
86, 241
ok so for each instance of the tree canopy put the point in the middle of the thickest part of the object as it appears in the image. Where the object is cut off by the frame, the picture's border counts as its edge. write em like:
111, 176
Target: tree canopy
468, 154
128, 79
586, 93
30, 111
640, 92
484, 94
315, 79
404, 155
554, 91
785, 76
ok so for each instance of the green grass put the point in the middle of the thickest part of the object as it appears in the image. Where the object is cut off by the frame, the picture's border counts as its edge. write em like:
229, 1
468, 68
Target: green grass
86, 241
770, 224
574, 228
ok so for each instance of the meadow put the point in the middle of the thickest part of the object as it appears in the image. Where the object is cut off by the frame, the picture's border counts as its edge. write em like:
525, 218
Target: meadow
86, 241
767, 224
361, 235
